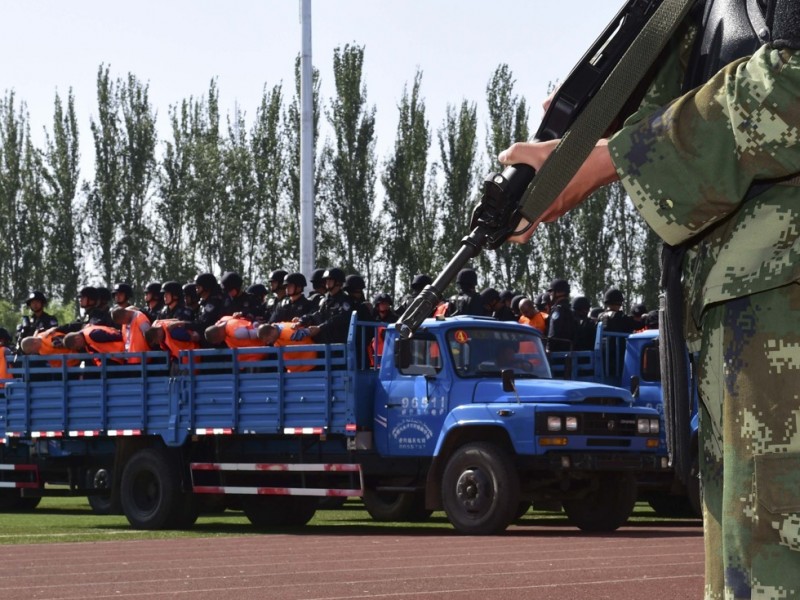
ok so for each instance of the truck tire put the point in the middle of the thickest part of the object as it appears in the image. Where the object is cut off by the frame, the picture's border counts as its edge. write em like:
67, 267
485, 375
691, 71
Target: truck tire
387, 507
151, 493
11, 500
480, 489
101, 504
606, 507
268, 512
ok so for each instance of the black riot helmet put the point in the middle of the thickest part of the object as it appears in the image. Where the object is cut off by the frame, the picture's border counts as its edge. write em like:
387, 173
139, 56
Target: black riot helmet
123, 288
297, 279
173, 288
354, 283
382, 297
336, 274
613, 296
189, 290
317, 279
36, 295
207, 281
89, 292
104, 295
259, 290
153, 288
559, 286
467, 278
420, 281
231, 281
278, 276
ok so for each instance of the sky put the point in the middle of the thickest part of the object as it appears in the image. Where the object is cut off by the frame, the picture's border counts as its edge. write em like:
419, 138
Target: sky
178, 46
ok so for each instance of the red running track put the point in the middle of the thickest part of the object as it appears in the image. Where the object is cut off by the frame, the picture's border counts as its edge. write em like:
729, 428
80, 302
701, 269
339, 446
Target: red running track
650, 562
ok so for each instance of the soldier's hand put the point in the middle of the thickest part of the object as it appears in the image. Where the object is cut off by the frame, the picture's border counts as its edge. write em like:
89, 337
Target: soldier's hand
596, 171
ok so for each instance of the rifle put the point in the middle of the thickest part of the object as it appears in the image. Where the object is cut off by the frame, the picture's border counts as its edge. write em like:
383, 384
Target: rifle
608, 73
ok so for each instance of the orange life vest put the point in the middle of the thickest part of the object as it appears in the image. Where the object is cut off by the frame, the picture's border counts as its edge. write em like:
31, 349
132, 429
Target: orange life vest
175, 346
103, 340
133, 336
4, 373
240, 333
53, 343
537, 321
285, 339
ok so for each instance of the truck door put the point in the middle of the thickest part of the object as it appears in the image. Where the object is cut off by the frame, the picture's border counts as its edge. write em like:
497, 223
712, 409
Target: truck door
417, 401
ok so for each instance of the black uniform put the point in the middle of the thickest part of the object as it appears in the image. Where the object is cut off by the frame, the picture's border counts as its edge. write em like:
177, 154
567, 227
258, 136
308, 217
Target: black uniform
179, 312
561, 327
152, 313
466, 303
333, 318
210, 313
616, 321
289, 309
244, 303
33, 324
504, 313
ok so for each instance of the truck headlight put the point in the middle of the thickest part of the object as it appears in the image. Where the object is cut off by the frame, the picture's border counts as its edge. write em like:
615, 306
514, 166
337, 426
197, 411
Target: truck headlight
553, 423
643, 426
655, 427
572, 423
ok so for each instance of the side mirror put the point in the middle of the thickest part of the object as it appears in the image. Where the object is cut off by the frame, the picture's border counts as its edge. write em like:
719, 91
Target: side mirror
635, 386
402, 354
507, 376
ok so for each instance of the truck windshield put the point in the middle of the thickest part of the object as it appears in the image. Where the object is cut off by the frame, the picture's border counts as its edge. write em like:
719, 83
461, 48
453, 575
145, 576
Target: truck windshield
486, 353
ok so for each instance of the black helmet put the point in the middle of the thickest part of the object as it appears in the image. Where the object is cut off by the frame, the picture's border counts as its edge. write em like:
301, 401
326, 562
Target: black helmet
639, 310
36, 295
334, 273
207, 281
515, 302
190, 290
489, 295
153, 288
354, 283
297, 279
258, 289
89, 292
278, 276
467, 278
542, 300
382, 297
613, 296
420, 281
231, 281
103, 295
123, 288
5, 337
581, 304
559, 286
172, 287
317, 277
507, 295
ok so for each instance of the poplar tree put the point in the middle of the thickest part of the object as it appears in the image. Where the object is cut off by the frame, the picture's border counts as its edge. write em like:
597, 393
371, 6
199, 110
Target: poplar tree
512, 266
61, 173
348, 186
410, 228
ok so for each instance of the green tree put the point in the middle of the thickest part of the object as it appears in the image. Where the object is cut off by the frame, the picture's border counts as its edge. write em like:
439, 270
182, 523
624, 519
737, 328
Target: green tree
513, 266
595, 242
61, 173
177, 233
410, 228
270, 241
348, 185
458, 149
13, 143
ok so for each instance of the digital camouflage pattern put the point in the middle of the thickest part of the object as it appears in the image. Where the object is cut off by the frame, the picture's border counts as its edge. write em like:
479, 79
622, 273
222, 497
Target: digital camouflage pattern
688, 167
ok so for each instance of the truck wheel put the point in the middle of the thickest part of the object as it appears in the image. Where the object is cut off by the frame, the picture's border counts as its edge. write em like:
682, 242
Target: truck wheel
101, 504
11, 500
279, 511
388, 507
606, 507
672, 507
151, 493
480, 489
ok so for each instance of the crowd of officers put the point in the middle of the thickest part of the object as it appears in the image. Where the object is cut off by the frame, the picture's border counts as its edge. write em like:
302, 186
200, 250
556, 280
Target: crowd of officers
211, 313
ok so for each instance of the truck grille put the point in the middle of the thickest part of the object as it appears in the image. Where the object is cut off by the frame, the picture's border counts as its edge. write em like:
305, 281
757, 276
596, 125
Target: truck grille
608, 424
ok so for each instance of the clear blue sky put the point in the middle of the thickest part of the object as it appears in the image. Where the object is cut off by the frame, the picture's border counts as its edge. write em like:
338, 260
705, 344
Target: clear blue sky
177, 46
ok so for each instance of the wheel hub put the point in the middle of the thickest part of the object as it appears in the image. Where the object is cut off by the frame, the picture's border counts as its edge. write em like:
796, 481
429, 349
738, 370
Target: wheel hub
473, 490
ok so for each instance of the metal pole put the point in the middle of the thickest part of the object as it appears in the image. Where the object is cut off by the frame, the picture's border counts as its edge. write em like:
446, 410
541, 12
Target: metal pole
307, 258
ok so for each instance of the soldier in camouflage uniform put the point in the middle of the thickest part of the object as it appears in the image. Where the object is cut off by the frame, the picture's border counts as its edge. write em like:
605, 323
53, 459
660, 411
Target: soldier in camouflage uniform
689, 161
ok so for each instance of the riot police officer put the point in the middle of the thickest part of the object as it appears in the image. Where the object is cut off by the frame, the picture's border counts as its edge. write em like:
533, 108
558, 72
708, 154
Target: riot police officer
153, 300
174, 307
318, 285
234, 300
330, 323
295, 304
468, 301
278, 292
123, 294
383, 312
561, 325
38, 320
191, 300
211, 302
417, 285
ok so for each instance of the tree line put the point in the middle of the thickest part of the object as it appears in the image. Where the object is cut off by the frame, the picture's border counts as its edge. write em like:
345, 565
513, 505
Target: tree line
221, 192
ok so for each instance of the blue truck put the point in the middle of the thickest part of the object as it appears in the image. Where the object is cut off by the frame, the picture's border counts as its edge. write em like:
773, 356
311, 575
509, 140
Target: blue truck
632, 361
463, 417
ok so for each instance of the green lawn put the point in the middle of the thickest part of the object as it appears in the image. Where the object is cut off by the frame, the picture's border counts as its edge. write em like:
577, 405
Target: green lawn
71, 520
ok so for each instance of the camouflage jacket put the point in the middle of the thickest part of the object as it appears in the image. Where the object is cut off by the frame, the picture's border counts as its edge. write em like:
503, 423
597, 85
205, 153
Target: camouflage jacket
688, 161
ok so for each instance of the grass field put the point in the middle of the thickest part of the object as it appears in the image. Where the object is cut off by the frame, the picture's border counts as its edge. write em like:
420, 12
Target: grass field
71, 520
